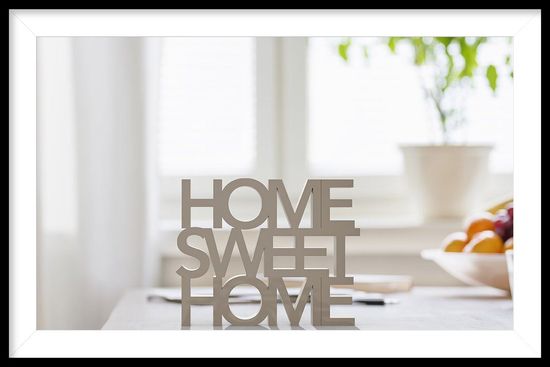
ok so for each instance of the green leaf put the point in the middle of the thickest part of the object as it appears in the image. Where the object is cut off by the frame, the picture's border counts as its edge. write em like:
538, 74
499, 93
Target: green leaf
469, 54
508, 59
343, 49
365, 52
445, 41
450, 77
492, 77
419, 50
392, 42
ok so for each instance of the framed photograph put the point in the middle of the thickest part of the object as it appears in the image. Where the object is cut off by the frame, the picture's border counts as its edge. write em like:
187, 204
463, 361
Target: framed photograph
313, 183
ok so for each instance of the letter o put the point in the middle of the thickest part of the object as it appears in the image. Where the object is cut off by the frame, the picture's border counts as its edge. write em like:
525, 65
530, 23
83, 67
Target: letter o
224, 300
226, 193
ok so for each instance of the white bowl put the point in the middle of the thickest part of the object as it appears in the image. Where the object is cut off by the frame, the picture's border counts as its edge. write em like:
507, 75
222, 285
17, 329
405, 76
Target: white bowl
473, 268
510, 263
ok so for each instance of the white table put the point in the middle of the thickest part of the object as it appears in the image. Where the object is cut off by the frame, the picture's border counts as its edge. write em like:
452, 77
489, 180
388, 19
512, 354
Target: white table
424, 308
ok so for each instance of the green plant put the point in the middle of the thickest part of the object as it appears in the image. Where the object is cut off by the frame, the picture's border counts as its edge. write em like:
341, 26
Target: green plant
453, 62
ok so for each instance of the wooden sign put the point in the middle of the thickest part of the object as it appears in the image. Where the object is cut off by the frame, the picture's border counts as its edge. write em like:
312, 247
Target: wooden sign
315, 288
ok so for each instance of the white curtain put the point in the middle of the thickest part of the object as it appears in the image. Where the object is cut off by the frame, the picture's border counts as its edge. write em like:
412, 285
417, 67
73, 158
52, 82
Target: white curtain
96, 174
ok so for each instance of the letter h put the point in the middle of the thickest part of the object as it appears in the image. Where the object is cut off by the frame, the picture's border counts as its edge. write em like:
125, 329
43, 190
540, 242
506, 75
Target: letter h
187, 203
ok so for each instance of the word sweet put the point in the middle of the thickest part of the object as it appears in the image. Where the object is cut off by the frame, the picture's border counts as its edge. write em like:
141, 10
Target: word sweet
316, 286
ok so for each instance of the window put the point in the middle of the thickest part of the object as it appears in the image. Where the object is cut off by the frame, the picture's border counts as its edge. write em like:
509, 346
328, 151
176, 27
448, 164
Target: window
377, 103
269, 107
216, 115
207, 107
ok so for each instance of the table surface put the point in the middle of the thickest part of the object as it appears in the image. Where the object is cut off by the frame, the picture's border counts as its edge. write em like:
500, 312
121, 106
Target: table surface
423, 308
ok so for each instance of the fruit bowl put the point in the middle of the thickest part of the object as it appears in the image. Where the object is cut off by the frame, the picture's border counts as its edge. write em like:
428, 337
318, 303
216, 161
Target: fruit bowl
473, 268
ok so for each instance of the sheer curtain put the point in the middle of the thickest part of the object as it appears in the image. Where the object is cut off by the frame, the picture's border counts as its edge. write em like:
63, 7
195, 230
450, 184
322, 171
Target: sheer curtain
96, 176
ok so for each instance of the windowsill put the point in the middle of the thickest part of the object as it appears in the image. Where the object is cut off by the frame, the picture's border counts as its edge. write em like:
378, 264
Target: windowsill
385, 236
362, 223
387, 224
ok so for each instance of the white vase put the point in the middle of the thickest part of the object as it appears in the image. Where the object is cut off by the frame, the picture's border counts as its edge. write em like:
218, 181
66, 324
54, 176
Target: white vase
446, 180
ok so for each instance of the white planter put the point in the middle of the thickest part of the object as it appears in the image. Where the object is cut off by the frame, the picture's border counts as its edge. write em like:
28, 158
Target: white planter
446, 180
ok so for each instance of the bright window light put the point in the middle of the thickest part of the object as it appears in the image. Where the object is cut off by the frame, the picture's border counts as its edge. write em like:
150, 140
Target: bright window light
361, 111
207, 106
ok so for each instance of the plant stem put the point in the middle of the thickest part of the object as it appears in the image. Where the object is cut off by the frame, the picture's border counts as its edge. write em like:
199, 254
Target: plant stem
441, 112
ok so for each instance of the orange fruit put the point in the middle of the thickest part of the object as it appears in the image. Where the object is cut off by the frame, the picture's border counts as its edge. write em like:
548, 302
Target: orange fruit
509, 244
486, 242
454, 242
479, 223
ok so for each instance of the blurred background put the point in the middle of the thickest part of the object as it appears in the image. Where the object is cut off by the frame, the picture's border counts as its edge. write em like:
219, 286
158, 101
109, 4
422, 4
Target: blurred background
122, 120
